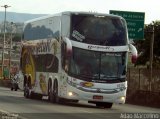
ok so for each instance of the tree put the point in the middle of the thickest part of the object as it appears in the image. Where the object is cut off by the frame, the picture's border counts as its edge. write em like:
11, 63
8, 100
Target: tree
17, 38
143, 46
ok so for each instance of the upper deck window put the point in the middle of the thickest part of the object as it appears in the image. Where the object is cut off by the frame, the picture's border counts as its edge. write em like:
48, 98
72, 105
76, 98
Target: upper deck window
91, 29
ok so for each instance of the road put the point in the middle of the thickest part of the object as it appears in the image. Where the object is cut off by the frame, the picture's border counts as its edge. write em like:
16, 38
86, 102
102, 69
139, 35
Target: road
14, 103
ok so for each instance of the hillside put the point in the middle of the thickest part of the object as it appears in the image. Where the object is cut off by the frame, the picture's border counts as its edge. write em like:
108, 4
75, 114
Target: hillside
18, 17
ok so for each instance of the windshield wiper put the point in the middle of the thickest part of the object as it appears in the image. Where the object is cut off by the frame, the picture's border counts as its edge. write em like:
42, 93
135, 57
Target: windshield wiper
82, 75
103, 76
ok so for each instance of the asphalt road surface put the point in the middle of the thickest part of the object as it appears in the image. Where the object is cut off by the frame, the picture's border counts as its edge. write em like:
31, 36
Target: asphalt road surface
16, 105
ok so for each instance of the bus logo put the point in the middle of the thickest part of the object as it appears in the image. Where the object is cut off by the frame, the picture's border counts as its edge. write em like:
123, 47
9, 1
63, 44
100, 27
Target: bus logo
87, 84
108, 48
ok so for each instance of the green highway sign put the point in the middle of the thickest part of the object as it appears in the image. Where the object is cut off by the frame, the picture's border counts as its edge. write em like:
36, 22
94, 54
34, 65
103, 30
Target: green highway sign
135, 23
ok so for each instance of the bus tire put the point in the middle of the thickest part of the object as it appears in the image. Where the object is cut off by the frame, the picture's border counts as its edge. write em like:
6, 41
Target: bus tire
26, 91
55, 92
50, 92
57, 99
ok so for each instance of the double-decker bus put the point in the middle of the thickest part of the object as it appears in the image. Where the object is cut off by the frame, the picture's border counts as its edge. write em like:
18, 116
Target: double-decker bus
75, 56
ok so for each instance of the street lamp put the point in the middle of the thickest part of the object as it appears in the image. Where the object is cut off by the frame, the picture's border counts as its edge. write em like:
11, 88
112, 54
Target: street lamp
5, 6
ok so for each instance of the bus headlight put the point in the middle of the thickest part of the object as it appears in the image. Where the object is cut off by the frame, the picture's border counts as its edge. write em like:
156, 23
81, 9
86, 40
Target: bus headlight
122, 98
70, 93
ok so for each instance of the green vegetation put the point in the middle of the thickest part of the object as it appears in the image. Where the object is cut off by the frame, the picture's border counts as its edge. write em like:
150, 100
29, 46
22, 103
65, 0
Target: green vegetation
143, 46
16, 37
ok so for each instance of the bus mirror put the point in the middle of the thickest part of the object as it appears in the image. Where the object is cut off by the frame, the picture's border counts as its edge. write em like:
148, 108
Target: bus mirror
68, 48
133, 51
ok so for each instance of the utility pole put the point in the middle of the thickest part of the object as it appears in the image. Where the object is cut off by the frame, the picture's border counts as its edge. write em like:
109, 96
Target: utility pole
10, 49
4, 40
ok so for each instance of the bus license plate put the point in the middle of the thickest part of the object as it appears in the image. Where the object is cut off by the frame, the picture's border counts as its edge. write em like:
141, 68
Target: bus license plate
97, 97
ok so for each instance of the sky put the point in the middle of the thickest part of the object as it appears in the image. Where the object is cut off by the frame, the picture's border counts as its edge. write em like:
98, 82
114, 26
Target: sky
150, 7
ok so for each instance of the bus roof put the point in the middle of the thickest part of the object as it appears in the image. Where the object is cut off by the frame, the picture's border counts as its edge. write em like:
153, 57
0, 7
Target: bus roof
70, 13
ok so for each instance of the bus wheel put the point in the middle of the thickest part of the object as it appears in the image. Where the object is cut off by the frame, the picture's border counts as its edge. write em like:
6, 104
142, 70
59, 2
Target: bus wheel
26, 91
57, 99
50, 93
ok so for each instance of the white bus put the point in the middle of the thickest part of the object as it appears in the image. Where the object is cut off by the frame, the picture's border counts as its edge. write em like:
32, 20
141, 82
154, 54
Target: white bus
75, 56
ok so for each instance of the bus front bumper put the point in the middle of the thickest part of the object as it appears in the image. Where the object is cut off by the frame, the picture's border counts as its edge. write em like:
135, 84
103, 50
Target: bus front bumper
77, 94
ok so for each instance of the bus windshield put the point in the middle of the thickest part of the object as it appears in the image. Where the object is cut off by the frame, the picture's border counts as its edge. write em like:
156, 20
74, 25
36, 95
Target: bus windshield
91, 65
98, 30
